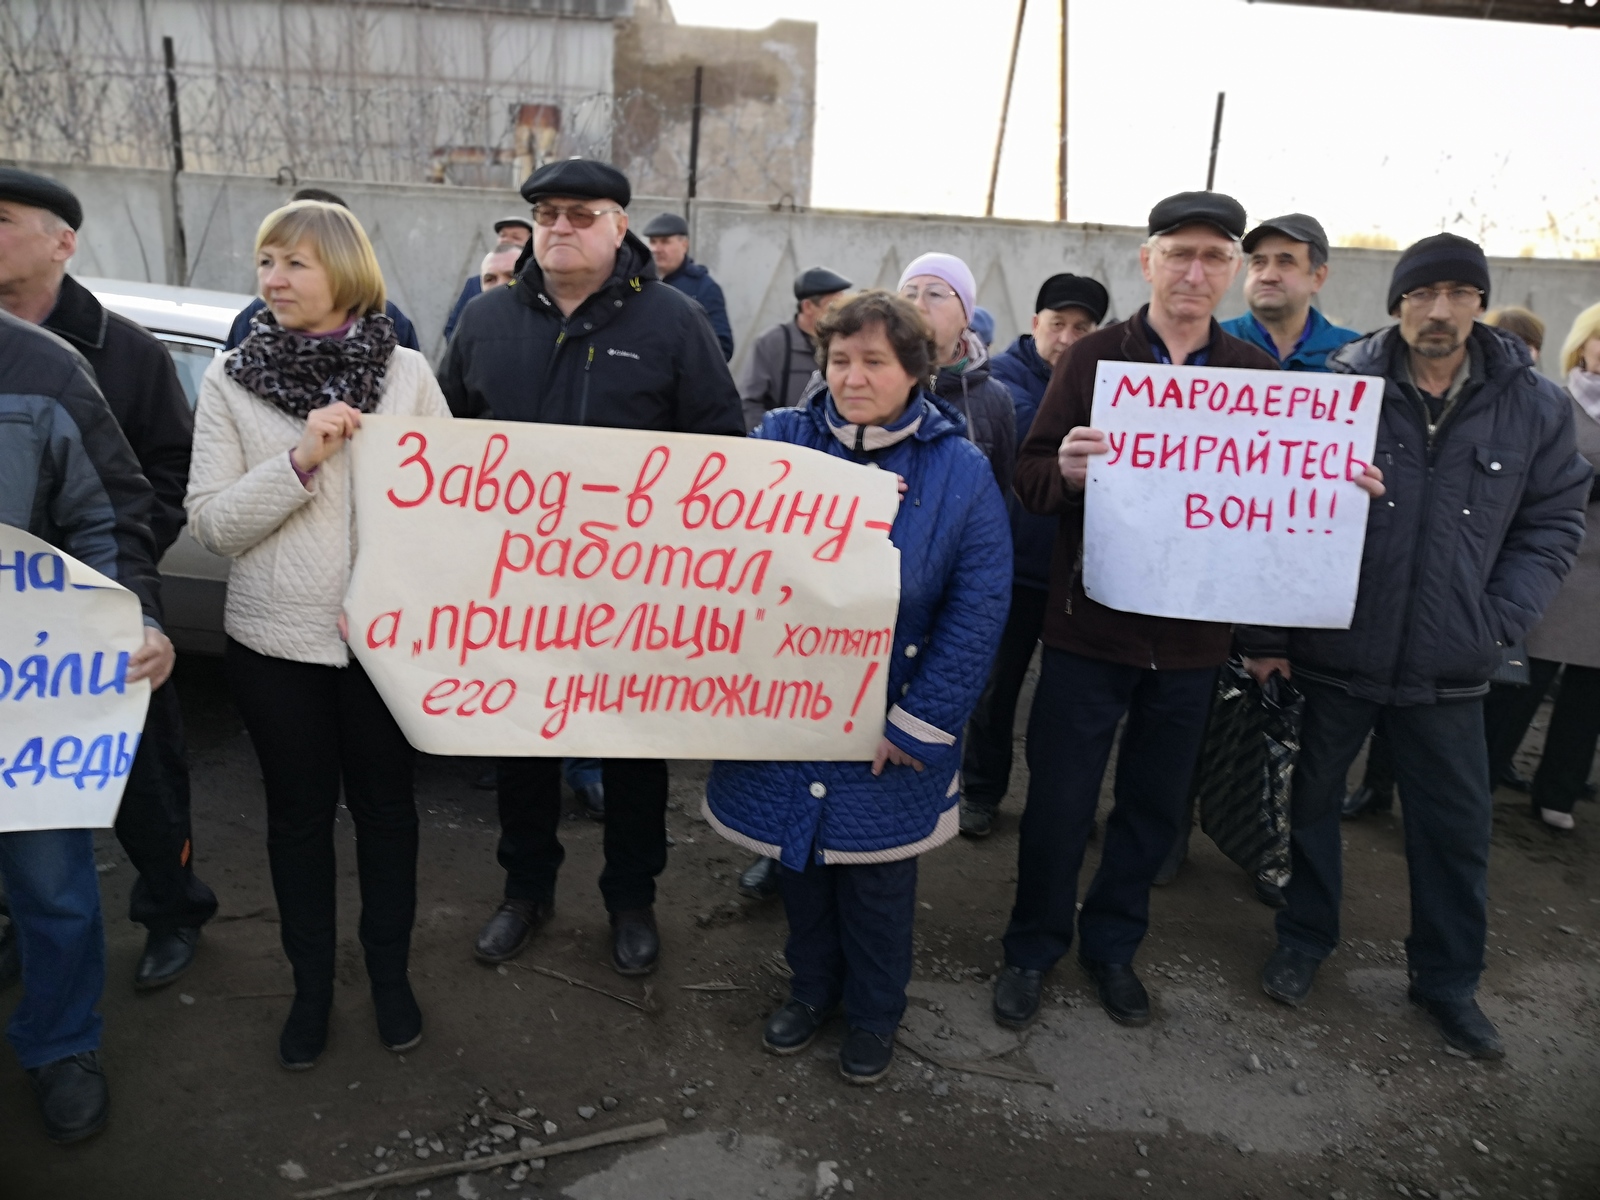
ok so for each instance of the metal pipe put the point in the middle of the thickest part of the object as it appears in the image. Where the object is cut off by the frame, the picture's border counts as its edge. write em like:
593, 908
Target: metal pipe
1061, 151
1005, 108
694, 142
180, 247
1216, 139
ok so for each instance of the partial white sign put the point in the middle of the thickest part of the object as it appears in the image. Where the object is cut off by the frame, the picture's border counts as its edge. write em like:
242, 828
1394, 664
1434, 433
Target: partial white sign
1228, 494
555, 590
69, 719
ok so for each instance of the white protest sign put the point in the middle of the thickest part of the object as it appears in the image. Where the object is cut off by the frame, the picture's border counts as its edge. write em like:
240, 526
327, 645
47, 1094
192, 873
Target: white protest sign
1228, 494
555, 590
69, 719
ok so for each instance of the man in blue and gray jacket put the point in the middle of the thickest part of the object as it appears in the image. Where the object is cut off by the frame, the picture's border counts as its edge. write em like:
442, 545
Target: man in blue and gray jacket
68, 475
1286, 264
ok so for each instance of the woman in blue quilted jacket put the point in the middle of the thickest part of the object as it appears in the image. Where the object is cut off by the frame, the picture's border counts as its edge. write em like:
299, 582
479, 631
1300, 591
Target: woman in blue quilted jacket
848, 833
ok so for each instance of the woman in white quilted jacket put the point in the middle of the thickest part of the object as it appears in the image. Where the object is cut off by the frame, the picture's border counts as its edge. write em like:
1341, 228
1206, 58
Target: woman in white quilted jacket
269, 487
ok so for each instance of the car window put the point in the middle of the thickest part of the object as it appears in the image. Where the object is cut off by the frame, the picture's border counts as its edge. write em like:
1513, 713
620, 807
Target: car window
191, 356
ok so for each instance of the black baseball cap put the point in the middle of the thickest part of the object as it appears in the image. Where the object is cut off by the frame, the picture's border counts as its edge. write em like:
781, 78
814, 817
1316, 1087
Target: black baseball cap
819, 281
1297, 227
1198, 208
1074, 291
581, 178
40, 191
666, 225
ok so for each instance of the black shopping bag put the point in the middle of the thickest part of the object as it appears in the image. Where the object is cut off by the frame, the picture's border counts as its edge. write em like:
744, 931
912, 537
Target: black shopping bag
1246, 764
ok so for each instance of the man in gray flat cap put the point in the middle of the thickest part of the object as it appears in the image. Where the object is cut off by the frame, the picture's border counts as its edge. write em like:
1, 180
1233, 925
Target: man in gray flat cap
783, 358
668, 235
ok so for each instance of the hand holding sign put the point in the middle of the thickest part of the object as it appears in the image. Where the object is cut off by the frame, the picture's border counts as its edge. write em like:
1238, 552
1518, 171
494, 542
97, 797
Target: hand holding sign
1228, 495
71, 710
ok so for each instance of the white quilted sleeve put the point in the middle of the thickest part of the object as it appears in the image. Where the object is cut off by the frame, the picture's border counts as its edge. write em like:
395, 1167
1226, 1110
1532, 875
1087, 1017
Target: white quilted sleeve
232, 505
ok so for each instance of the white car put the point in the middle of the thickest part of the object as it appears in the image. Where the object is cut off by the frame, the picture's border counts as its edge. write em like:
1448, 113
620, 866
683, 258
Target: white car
192, 324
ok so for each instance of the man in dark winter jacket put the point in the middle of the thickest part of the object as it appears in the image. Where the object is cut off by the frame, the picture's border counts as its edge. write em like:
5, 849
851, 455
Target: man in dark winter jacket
668, 235
404, 330
139, 382
943, 289
1483, 515
1101, 665
1068, 308
1287, 266
67, 475
782, 359
586, 335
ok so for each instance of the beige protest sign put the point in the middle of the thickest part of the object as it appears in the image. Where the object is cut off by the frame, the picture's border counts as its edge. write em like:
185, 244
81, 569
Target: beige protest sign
69, 719
556, 590
1229, 494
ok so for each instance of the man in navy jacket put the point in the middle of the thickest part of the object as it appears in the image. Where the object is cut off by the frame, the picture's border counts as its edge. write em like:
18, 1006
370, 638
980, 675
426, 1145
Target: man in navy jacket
668, 235
1067, 308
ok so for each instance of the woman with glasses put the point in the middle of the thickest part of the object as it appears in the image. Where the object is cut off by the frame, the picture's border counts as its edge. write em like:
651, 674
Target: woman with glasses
269, 487
943, 290
849, 833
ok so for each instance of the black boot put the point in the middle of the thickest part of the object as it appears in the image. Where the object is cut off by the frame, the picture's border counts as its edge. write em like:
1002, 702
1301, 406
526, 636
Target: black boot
865, 1056
1463, 1024
305, 1033
1016, 997
760, 879
167, 955
505, 934
977, 818
635, 944
399, 1017
73, 1098
1121, 994
1288, 976
792, 1028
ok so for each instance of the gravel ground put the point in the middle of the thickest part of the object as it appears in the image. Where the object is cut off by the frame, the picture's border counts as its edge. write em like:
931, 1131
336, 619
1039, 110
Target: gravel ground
1225, 1094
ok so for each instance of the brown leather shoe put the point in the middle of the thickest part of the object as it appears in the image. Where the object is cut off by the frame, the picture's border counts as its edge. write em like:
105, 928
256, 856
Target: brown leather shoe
506, 933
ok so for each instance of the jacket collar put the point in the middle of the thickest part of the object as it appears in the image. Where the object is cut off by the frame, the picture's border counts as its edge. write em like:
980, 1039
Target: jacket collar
78, 316
633, 268
974, 361
1503, 355
1026, 351
689, 269
936, 420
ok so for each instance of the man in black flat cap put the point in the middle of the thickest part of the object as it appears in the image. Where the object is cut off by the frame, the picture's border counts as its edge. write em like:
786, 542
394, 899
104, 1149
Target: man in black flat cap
1482, 518
39, 220
668, 235
783, 358
1068, 308
586, 335
1100, 664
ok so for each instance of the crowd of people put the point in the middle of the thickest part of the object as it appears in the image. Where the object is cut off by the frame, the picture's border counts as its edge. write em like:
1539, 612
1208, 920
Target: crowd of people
1480, 484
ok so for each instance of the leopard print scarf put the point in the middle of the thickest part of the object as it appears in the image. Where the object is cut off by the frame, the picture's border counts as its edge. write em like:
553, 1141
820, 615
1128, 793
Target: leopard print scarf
298, 373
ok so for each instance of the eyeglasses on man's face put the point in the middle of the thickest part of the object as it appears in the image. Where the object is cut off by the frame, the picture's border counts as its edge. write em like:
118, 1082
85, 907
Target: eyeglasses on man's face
1213, 260
578, 216
933, 293
1459, 297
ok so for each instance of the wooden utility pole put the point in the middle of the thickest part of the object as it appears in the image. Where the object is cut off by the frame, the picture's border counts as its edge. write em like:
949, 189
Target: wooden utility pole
1061, 150
1005, 108
180, 248
1216, 140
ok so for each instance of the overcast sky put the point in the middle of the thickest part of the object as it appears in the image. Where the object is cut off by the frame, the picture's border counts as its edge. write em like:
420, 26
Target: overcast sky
1372, 122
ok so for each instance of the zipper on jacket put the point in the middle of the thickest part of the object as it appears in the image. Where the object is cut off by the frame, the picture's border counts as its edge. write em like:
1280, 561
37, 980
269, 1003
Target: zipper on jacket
583, 402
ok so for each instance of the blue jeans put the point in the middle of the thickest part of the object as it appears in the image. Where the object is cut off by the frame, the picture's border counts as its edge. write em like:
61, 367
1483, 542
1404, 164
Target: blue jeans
54, 892
850, 939
1076, 709
580, 772
1441, 764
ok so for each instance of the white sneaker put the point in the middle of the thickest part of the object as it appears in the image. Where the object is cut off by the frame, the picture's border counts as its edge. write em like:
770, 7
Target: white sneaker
1557, 820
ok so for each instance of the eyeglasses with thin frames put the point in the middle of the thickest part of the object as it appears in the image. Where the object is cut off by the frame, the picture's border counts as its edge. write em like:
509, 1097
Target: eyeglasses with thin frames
579, 218
1461, 297
932, 294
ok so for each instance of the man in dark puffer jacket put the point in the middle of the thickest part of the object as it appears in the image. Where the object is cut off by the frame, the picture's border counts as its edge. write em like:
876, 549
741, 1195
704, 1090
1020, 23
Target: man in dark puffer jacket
586, 335
1481, 520
942, 288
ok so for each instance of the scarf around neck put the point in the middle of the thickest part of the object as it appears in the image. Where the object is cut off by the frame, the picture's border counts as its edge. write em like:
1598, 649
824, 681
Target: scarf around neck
874, 437
1585, 389
299, 373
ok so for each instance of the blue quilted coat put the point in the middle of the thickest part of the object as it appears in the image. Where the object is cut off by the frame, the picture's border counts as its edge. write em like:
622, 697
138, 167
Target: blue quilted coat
955, 589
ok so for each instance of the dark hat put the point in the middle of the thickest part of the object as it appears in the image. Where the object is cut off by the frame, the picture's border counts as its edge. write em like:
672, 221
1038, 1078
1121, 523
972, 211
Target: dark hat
36, 191
666, 225
1296, 227
819, 281
1437, 259
504, 221
1191, 208
1074, 291
583, 178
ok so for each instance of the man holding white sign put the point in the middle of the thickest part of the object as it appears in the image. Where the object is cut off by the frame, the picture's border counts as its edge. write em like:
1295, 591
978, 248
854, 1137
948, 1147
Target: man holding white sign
1482, 519
1101, 664
586, 335
67, 477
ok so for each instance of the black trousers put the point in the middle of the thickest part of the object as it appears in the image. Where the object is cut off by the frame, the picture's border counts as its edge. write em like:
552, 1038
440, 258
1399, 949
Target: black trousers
1076, 709
1569, 744
1442, 767
635, 834
153, 824
313, 728
986, 763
